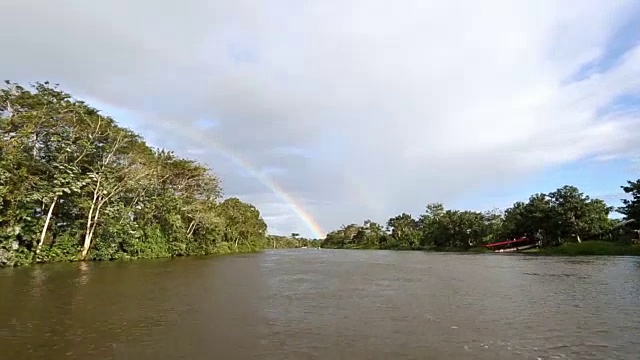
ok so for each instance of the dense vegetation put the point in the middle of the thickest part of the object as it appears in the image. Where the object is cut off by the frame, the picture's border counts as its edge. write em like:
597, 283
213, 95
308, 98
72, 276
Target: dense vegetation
558, 218
76, 186
293, 241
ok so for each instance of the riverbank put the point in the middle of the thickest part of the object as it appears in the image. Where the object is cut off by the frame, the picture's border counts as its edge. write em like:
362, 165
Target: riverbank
592, 248
569, 249
584, 248
89, 189
19, 257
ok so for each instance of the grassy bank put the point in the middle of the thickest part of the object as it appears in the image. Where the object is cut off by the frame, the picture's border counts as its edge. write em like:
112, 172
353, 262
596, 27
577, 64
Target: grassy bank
592, 248
21, 257
568, 249
478, 249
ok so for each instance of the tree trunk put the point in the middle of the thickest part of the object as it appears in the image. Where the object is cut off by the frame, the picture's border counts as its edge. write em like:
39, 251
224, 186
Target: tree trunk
575, 226
191, 228
35, 144
94, 225
87, 236
46, 224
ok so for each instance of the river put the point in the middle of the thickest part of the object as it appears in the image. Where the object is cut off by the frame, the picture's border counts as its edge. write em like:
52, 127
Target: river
325, 304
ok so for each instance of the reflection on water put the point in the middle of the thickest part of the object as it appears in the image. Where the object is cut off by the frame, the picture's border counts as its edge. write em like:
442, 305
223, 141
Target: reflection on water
325, 304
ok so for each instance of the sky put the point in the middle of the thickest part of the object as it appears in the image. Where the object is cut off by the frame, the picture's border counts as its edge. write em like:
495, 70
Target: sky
327, 112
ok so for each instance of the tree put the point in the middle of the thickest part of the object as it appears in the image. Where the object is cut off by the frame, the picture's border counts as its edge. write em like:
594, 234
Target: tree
631, 207
75, 185
576, 215
404, 231
242, 222
369, 235
341, 238
559, 216
429, 224
533, 218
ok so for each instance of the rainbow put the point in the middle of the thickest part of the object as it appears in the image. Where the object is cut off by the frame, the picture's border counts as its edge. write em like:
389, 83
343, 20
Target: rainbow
277, 190
174, 129
246, 165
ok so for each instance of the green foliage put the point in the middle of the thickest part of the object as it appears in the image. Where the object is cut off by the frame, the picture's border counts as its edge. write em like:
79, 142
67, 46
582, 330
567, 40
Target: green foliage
403, 232
631, 207
555, 217
593, 248
290, 242
74, 185
563, 216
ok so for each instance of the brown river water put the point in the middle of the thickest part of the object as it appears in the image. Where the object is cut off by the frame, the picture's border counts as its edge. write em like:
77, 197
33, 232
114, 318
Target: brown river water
325, 304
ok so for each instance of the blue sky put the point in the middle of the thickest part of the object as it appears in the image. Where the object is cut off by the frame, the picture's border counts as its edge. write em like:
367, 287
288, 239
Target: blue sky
598, 179
356, 109
624, 37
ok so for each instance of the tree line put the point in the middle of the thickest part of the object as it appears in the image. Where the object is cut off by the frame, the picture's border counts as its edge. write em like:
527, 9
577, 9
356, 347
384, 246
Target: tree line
293, 241
76, 185
562, 216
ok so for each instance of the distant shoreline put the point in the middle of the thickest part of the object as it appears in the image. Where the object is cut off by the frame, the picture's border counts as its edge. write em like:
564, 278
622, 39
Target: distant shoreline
586, 248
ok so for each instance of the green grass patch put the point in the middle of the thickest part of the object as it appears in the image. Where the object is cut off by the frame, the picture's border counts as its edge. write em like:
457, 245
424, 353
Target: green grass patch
593, 248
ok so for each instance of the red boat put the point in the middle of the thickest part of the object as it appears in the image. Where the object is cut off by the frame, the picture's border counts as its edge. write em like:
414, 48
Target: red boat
518, 244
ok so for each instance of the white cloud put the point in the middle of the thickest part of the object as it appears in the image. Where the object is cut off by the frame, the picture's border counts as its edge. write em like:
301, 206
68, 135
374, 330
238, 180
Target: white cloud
359, 108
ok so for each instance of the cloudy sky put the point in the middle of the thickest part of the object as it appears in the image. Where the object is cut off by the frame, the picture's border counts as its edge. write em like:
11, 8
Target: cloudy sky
334, 111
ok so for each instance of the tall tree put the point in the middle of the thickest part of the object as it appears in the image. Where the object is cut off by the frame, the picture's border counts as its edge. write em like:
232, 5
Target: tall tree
631, 207
243, 222
404, 231
576, 215
74, 184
